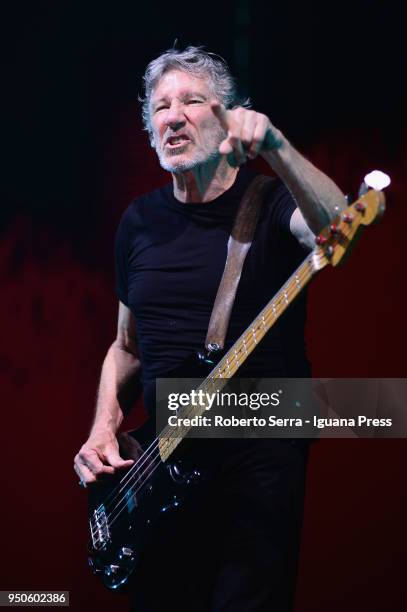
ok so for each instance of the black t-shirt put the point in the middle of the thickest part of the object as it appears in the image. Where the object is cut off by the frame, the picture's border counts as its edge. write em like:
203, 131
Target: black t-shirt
170, 257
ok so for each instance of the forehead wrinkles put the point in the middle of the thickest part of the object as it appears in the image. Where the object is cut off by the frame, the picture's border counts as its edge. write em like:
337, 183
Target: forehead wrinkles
167, 87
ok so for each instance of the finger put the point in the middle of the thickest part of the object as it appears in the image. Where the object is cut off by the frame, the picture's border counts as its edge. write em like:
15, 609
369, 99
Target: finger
221, 114
249, 122
259, 136
232, 143
232, 146
90, 459
117, 462
238, 151
84, 474
226, 146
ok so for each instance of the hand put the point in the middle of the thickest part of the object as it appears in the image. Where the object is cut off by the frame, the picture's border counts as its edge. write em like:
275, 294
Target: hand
248, 132
98, 456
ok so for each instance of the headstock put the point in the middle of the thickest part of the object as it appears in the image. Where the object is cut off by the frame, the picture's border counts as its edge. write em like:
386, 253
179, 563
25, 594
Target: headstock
337, 238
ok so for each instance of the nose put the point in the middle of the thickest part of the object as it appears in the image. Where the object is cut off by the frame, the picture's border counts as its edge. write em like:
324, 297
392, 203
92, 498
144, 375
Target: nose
175, 118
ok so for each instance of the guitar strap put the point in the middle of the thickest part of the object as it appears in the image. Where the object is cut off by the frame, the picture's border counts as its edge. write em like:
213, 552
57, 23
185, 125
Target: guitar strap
239, 243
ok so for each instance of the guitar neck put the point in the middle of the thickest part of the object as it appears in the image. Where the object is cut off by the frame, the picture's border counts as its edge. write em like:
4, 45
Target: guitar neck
238, 353
227, 367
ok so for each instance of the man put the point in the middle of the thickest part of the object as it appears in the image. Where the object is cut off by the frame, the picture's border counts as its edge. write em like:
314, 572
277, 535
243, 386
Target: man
170, 253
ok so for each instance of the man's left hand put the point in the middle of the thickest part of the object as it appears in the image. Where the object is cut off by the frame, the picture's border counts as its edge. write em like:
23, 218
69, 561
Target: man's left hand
248, 132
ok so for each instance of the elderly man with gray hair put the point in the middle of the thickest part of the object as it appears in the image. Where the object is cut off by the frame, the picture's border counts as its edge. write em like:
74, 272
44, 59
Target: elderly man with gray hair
237, 549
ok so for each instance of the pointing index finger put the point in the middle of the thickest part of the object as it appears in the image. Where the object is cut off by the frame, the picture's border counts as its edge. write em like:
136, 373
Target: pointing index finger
221, 114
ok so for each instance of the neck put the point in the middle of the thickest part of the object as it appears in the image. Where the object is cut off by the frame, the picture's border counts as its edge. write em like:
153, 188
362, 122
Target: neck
204, 183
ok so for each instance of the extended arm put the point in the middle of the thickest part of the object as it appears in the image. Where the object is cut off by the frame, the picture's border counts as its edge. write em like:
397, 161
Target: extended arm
317, 196
119, 380
250, 133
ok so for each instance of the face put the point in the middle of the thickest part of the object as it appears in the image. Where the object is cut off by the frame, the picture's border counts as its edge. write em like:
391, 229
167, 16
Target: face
186, 133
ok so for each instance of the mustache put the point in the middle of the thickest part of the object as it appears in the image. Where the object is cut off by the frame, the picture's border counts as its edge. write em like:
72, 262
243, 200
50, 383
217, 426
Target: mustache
177, 134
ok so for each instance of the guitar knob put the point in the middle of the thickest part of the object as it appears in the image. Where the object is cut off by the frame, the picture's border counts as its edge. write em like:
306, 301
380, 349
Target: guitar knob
111, 569
334, 229
360, 207
320, 240
175, 502
329, 251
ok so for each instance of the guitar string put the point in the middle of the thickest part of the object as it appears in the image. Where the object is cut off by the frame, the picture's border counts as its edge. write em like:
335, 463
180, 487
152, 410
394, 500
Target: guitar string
155, 444
135, 470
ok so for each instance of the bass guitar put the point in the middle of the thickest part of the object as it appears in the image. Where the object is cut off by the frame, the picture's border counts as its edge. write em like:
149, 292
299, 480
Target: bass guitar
123, 509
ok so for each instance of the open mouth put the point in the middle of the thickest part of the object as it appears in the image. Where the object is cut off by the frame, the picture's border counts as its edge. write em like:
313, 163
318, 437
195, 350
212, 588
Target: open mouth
174, 142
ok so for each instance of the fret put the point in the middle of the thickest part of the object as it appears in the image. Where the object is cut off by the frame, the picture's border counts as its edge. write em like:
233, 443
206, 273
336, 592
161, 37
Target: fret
297, 281
244, 346
237, 359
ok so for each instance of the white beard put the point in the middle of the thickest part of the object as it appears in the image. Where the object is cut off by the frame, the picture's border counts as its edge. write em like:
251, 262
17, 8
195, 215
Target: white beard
175, 161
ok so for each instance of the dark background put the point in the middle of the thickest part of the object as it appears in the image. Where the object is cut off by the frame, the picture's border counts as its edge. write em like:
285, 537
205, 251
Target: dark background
74, 156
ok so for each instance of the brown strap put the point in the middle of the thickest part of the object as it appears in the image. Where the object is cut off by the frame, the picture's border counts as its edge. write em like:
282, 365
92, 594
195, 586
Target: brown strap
239, 243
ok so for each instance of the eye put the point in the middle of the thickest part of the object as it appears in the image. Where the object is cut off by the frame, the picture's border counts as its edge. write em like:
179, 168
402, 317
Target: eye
194, 101
161, 107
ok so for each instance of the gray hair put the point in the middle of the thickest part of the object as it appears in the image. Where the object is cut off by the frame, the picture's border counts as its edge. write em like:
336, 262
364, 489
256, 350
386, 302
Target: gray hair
197, 62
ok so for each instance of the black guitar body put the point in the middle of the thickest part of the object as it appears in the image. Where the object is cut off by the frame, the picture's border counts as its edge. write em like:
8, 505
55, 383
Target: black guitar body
116, 548
124, 508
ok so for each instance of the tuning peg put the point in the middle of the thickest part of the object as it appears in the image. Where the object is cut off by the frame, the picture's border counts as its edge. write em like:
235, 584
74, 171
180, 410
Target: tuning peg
320, 240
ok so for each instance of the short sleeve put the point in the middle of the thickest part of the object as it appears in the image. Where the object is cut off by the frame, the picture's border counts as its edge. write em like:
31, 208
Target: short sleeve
121, 251
283, 206
283, 244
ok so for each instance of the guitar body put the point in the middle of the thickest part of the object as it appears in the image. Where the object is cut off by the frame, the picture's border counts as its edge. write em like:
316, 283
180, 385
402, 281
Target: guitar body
116, 555
124, 508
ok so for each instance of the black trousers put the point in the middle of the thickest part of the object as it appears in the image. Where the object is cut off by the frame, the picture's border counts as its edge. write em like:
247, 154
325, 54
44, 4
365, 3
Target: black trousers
234, 546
